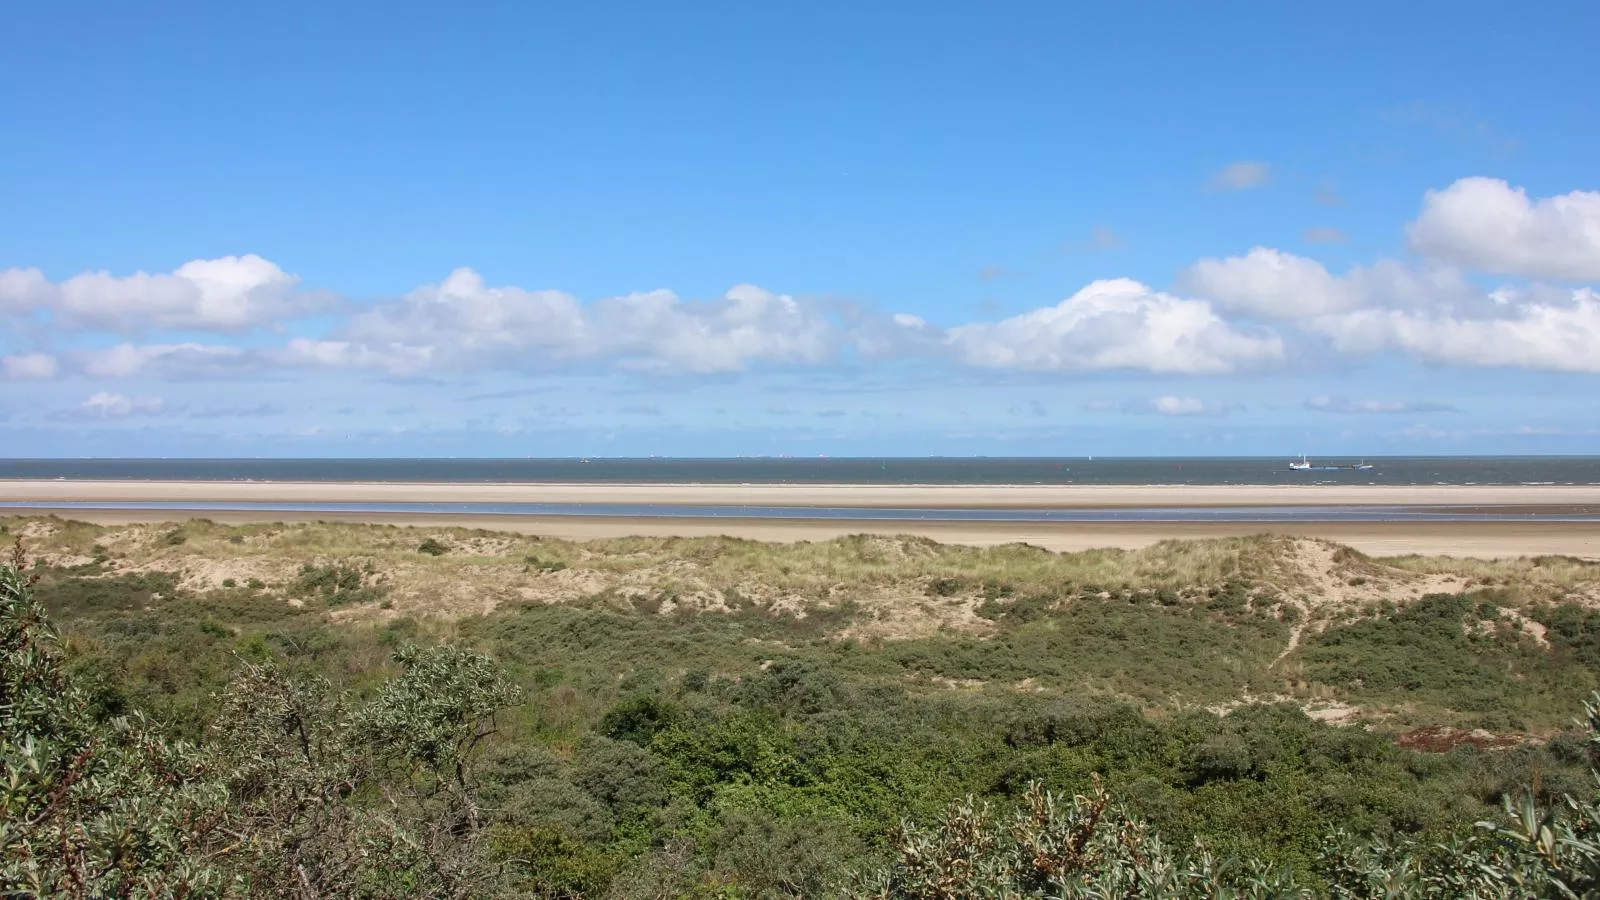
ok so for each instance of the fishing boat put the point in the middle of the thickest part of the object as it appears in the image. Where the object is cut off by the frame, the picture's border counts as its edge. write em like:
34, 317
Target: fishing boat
1301, 465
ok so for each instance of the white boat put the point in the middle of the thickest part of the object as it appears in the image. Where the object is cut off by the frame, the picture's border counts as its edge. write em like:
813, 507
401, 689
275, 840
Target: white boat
1301, 465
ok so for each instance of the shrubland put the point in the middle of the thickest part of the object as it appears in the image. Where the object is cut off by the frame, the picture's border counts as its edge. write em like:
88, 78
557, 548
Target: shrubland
326, 710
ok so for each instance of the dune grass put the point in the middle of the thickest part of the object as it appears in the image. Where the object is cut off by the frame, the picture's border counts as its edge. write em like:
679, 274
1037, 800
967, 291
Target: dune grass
1179, 624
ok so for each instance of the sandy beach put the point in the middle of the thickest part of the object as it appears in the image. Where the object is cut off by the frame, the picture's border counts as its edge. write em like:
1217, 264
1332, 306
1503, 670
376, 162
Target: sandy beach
1523, 537
832, 495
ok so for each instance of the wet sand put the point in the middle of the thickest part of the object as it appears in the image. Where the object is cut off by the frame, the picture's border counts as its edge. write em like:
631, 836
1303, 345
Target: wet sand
1542, 497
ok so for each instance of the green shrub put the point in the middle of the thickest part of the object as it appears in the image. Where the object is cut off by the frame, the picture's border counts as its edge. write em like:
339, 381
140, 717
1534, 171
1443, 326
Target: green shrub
537, 564
432, 547
339, 583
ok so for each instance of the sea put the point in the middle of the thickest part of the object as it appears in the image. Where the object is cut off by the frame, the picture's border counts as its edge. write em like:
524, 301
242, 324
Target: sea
1402, 470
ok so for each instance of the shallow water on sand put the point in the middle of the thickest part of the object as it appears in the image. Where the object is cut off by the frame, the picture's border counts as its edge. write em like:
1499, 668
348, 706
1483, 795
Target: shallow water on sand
675, 511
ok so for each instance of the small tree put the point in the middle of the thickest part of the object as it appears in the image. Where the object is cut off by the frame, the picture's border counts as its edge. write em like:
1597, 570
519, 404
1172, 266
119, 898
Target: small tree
301, 791
92, 808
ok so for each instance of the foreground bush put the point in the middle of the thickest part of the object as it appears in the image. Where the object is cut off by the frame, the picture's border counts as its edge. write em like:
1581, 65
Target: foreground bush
301, 791
1087, 847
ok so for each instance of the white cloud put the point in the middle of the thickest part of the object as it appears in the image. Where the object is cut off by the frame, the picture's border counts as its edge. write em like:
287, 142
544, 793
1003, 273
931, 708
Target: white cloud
24, 290
1240, 176
233, 293
1430, 312
396, 359
1270, 283
184, 360
1166, 405
462, 314
29, 367
462, 323
1117, 324
901, 335
107, 405
1273, 284
658, 331
1187, 406
1531, 332
1346, 406
1485, 224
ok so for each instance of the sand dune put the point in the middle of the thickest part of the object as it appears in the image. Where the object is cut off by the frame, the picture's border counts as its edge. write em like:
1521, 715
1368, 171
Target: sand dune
1468, 539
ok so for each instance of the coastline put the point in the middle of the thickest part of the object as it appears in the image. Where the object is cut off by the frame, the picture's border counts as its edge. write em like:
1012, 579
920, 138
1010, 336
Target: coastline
907, 496
1522, 533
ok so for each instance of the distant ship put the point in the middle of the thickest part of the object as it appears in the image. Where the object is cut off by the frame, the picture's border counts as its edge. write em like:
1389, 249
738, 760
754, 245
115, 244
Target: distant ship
1304, 465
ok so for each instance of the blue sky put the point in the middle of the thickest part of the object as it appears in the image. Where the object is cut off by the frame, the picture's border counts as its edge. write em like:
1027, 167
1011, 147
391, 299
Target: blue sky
717, 228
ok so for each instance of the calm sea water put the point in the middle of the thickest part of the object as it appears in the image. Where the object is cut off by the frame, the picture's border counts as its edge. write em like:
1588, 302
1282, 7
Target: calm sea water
1201, 470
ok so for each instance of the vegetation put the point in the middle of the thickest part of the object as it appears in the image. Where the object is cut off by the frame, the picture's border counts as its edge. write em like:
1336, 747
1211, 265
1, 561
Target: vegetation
647, 719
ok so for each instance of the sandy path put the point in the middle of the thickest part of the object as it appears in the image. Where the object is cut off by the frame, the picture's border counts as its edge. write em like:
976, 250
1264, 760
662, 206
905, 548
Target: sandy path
1479, 539
911, 496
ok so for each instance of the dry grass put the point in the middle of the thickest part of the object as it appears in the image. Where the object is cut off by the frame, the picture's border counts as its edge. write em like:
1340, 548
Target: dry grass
895, 586
1545, 578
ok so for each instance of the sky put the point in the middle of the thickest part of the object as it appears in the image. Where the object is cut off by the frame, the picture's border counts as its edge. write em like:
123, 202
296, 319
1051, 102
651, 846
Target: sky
715, 229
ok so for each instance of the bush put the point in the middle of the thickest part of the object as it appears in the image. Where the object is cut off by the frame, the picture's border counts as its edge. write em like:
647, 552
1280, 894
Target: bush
543, 565
432, 547
339, 584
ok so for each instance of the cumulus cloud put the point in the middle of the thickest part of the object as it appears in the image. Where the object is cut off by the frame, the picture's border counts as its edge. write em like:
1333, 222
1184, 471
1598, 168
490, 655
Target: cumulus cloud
1431, 312
106, 405
1240, 176
29, 367
24, 290
1225, 315
749, 324
1530, 331
464, 323
233, 293
1117, 324
1270, 283
1486, 224
1274, 284
474, 319
1347, 406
